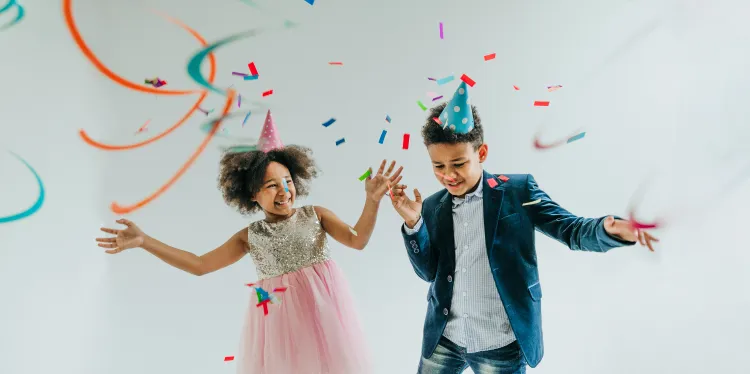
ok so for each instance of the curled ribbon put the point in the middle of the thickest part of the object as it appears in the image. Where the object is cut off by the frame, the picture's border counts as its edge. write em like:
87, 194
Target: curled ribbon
20, 13
39, 201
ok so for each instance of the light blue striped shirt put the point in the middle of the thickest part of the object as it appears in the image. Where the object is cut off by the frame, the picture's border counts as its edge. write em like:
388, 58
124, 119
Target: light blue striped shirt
477, 319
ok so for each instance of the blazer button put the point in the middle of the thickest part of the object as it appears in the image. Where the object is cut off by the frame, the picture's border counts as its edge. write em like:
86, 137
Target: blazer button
413, 242
416, 250
445, 311
450, 279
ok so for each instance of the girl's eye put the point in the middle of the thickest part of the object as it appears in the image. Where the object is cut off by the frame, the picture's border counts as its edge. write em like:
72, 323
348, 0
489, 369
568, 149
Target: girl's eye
271, 186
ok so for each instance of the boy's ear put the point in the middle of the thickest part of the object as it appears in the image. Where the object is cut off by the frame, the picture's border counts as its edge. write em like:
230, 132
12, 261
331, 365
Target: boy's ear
483, 149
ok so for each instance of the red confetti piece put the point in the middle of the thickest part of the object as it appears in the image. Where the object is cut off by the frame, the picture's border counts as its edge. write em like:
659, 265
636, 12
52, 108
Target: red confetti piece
228, 358
250, 285
492, 182
267, 93
437, 120
541, 103
516, 88
265, 306
253, 70
279, 289
503, 178
468, 80
490, 56
406, 141
335, 63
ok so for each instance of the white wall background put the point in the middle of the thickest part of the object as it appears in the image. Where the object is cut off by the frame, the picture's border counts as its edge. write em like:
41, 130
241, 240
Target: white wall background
673, 98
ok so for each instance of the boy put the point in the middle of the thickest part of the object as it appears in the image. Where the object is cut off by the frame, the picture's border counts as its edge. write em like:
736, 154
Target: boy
474, 243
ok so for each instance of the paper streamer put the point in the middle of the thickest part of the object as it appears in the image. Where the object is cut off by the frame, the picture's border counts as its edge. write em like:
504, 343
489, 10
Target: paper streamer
39, 200
20, 13
539, 145
120, 209
73, 28
208, 126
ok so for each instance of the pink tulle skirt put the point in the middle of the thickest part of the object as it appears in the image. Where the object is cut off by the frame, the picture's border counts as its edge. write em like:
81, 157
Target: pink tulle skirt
314, 330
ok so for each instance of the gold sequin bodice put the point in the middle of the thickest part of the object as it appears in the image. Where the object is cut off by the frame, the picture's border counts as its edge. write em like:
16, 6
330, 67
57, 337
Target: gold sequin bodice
289, 245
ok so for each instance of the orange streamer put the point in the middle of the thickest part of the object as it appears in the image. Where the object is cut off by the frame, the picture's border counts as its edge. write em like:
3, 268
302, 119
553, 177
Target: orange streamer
73, 28
119, 209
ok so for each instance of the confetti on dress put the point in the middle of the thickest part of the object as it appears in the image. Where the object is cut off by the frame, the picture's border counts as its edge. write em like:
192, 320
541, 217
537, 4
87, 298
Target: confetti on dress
445, 80
382, 137
351, 230
537, 201
268, 93
340, 141
253, 69
490, 56
365, 175
441, 30
577, 137
329, 122
421, 105
468, 80
541, 103
405, 144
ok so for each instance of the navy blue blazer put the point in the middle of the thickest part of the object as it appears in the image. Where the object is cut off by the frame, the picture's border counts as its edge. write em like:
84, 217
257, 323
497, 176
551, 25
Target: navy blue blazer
509, 232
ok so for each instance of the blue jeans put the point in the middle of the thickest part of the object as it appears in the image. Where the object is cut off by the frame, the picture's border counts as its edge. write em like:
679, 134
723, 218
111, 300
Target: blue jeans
449, 358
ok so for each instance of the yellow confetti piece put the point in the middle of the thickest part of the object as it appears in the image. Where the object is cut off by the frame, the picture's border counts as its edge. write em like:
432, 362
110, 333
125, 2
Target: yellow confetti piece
537, 201
352, 231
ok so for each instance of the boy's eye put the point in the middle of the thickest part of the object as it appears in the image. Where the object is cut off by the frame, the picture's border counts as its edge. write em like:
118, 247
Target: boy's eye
439, 166
459, 165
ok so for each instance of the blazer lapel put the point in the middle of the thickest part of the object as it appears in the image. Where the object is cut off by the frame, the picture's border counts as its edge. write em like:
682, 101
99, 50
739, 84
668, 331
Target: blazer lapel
492, 199
444, 215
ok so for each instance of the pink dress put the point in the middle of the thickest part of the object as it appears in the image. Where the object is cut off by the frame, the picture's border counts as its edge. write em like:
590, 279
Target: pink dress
315, 329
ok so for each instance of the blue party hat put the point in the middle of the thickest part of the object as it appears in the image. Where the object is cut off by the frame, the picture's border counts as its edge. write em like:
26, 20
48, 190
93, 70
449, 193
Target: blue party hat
457, 115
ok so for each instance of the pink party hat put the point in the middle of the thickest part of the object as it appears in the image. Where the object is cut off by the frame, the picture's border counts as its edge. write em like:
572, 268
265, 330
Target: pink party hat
269, 136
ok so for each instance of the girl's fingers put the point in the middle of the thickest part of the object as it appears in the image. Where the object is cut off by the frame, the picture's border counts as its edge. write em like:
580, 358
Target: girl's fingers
106, 240
112, 251
398, 172
109, 231
390, 168
107, 245
381, 168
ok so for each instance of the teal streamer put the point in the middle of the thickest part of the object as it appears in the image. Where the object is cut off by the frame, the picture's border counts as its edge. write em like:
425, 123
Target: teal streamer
39, 201
206, 128
21, 12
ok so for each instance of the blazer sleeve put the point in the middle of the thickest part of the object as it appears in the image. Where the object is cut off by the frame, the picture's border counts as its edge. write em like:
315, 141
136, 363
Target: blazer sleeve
423, 257
578, 233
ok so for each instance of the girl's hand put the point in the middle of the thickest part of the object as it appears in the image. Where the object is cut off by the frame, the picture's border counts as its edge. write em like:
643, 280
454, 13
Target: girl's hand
377, 186
130, 237
410, 210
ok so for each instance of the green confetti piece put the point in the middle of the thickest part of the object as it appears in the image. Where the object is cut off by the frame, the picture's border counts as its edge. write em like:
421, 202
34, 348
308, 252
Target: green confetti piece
365, 175
421, 105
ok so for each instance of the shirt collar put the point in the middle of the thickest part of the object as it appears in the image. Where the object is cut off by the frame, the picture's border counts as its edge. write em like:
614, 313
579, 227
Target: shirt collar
469, 196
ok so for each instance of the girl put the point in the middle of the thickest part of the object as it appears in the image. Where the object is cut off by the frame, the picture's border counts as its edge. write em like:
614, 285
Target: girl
315, 329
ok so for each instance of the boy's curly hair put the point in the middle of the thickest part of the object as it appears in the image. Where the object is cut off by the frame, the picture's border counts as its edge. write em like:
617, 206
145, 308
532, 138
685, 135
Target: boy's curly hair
433, 133
241, 174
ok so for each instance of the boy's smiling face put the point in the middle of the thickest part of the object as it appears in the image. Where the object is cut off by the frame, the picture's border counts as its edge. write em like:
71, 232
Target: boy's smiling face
458, 166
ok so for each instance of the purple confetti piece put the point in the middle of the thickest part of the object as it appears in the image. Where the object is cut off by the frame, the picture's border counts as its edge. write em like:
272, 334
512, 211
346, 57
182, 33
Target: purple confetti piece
239, 100
240, 74
441, 30
432, 79
437, 97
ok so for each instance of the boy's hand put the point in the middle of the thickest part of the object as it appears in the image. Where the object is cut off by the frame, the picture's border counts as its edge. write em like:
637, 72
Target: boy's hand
407, 208
625, 231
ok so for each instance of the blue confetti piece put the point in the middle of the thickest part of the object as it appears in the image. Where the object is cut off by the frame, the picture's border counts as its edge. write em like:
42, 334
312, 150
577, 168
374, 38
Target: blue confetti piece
388, 118
246, 117
445, 80
250, 77
39, 201
286, 186
382, 137
340, 141
329, 122
577, 137
311, 2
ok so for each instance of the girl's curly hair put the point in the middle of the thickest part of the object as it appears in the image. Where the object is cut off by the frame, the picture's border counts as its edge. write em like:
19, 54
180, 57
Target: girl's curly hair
241, 174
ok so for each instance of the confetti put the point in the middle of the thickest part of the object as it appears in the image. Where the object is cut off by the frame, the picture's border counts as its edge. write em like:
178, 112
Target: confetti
516, 88
577, 137
20, 13
39, 200
311, 2
250, 77
228, 358
553, 88
503, 178
365, 175
267, 93
406, 141
329, 122
285, 184
239, 74
382, 136
253, 70
336, 63
445, 80
246, 117
541, 103
468, 80
490, 56
441, 30
351, 230
492, 182
143, 128
537, 201
430, 79
239, 100
388, 118
437, 120
437, 97
340, 141
421, 105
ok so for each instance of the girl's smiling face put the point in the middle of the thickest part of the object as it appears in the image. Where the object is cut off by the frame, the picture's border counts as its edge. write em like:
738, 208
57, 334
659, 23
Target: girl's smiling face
276, 195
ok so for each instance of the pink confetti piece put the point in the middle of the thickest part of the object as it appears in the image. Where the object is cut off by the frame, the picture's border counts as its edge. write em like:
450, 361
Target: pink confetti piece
268, 93
437, 120
503, 178
490, 56
553, 88
541, 103
336, 63
143, 128
492, 182
468, 80
516, 88
253, 70
441, 30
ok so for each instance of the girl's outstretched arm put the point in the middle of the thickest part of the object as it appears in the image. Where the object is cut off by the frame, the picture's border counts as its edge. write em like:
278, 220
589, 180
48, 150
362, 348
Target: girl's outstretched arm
226, 254
356, 237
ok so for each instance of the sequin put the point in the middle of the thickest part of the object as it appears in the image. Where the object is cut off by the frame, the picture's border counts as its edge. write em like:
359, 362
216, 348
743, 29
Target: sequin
289, 245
